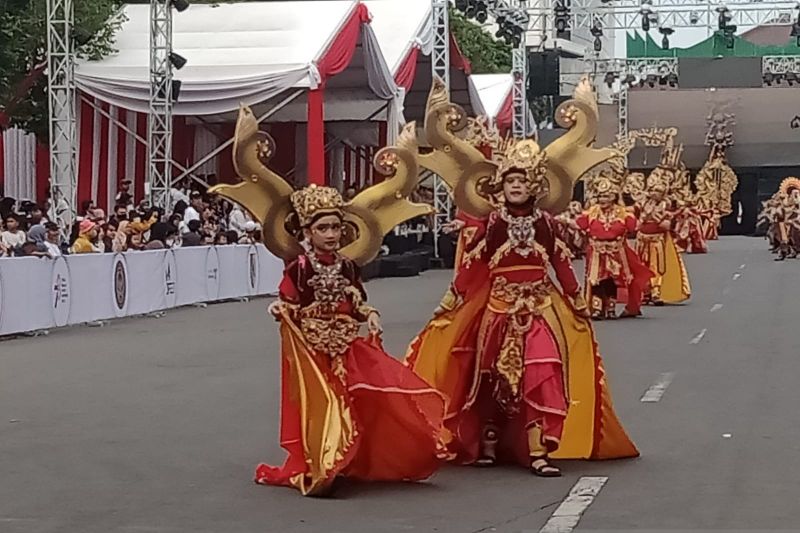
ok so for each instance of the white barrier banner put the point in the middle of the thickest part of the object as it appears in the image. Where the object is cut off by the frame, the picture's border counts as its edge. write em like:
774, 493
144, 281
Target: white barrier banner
42, 293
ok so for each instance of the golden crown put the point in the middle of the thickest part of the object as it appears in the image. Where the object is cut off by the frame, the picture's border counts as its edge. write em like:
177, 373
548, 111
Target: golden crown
313, 200
657, 181
523, 156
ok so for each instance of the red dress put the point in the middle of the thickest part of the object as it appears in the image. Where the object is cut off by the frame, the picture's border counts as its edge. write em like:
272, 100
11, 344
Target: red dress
608, 256
512, 346
347, 408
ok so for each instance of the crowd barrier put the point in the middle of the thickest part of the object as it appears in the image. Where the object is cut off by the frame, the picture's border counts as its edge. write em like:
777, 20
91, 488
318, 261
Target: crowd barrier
38, 294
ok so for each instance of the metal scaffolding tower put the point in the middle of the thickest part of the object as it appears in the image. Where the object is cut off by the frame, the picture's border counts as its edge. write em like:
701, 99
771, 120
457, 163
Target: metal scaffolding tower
440, 64
627, 14
519, 98
61, 112
159, 126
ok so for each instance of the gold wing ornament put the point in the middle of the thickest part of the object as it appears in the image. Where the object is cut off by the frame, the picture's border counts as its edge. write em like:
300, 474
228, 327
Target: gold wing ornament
375, 211
466, 169
369, 216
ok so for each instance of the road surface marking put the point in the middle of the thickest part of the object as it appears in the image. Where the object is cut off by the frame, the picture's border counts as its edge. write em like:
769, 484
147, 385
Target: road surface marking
742, 266
716, 308
737, 276
697, 338
568, 514
657, 390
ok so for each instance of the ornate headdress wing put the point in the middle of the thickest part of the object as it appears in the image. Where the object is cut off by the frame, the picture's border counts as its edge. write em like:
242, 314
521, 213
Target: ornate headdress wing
466, 168
269, 198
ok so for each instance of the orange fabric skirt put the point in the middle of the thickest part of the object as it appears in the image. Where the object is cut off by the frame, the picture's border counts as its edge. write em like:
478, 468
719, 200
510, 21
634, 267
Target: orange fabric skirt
380, 423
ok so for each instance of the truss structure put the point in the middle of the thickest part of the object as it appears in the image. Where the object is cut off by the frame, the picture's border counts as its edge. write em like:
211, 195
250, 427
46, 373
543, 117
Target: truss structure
159, 125
61, 115
627, 14
440, 64
519, 98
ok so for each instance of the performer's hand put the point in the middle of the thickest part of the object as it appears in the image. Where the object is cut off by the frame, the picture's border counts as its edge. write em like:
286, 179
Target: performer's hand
581, 307
275, 308
454, 226
374, 323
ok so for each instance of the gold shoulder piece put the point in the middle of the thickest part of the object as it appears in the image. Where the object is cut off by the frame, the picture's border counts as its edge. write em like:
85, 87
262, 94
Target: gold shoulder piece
571, 155
262, 192
458, 162
378, 209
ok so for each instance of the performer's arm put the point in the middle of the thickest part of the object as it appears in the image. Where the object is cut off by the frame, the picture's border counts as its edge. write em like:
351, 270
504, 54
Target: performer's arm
582, 222
631, 224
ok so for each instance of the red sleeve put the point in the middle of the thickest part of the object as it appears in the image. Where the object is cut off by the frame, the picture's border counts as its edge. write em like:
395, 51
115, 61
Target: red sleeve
287, 290
631, 223
561, 261
583, 222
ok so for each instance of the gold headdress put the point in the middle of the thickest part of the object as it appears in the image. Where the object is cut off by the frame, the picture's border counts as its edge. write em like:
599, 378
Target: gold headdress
273, 202
788, 185
658, 180
474, 177
605, 181
315, 200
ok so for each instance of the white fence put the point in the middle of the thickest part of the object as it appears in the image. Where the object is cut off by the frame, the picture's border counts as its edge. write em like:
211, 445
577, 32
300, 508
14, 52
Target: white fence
40, 293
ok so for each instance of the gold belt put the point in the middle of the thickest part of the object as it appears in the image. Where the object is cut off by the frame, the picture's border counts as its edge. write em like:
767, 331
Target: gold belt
652, 237
332, 335
522, 297
607, 246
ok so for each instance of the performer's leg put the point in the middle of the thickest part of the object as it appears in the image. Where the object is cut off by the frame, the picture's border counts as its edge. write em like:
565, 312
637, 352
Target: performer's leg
634, 306
540, 463
489, 412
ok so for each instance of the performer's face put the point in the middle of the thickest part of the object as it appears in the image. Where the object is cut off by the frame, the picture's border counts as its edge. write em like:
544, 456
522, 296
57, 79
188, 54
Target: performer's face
605, 200
657, 194
325, 233
515, 188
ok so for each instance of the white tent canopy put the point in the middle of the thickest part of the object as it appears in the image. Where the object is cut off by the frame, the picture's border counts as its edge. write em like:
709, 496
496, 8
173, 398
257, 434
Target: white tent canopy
493, 90
246, 52
401, 25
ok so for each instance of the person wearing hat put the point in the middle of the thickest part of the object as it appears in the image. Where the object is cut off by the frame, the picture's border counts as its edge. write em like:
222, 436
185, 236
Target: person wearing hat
250, 228
87, 234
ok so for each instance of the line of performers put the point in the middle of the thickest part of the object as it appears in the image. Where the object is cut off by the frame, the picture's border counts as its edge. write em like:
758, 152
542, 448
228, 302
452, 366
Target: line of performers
651, 273
781, 215
508, 368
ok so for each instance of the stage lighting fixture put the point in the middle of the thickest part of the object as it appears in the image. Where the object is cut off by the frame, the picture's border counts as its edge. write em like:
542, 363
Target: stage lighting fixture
597, 33
471, 8
645, 11
791, 78
651, 80
666, 32
177, 60
562, 17
694, 18
176, 89
461, 5
609, 79
481, 12
629, 80
724, 17
180, 5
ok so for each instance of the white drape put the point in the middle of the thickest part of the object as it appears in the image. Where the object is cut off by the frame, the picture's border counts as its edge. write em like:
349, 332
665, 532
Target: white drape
19, 164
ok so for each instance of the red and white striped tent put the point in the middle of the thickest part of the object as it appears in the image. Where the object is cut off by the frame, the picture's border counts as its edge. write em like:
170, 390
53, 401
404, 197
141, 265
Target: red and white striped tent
494, 91
370, 60
254, 53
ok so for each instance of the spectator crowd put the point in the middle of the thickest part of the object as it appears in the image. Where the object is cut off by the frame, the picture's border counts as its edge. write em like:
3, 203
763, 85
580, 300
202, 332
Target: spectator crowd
27, 229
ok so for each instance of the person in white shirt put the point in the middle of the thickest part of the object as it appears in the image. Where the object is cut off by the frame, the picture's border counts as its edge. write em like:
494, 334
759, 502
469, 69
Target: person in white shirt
12, 237
193, 211
51, 242
237, 220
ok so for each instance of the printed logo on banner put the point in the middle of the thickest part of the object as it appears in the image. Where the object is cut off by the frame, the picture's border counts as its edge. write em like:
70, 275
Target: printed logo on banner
61, 292
252, 263
120, 285
212, 274
170, 279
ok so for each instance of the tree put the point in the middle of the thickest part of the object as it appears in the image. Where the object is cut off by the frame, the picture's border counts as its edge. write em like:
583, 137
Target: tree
487, 54
23, 54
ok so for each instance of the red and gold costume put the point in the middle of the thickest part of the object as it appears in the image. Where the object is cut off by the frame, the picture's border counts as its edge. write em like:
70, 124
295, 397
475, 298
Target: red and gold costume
514, 353
347, 408
657, 250
573, 235
785, 219
690, 236
610, 263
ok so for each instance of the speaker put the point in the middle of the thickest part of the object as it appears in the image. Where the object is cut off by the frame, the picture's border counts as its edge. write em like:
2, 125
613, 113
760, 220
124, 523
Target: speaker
544, 73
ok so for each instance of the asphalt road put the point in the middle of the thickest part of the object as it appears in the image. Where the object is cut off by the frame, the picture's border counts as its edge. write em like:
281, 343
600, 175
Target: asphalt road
155, 425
